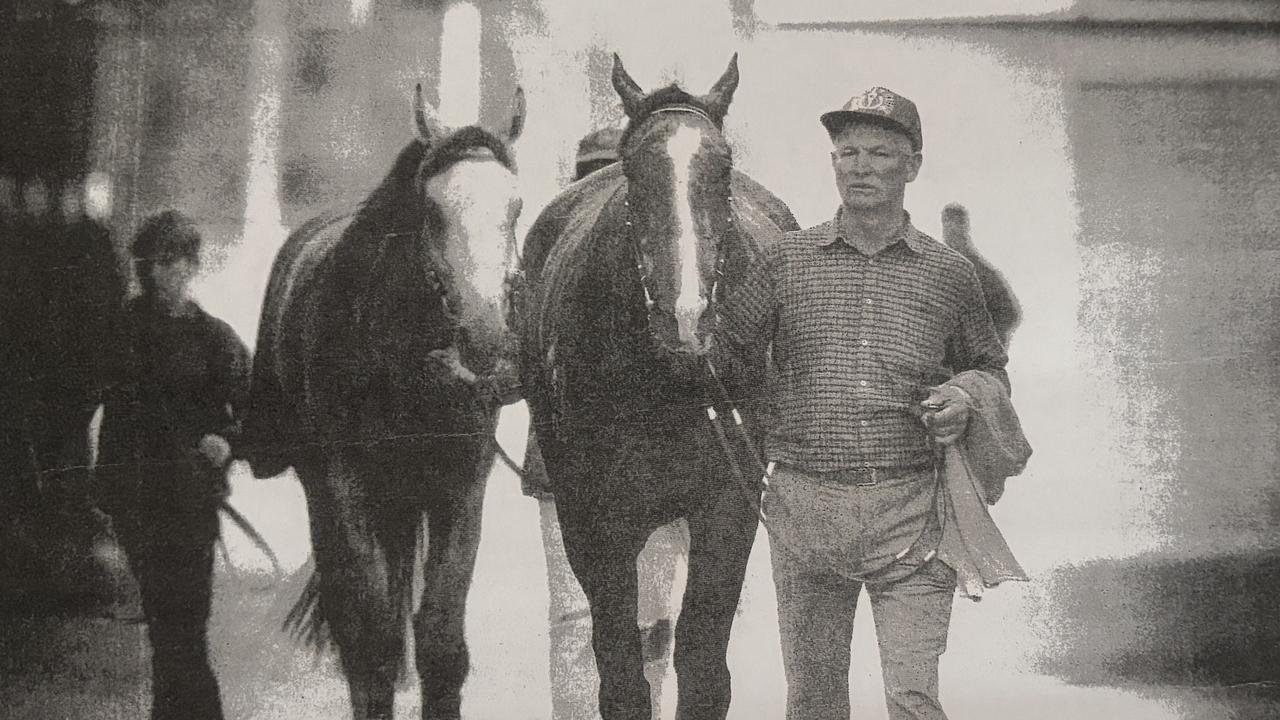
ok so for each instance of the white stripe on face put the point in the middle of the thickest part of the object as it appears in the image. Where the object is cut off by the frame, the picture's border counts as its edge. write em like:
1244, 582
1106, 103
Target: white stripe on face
690, 304
479, 199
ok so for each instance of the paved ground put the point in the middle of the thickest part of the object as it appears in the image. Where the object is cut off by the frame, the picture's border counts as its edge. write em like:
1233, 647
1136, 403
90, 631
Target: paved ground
95, 668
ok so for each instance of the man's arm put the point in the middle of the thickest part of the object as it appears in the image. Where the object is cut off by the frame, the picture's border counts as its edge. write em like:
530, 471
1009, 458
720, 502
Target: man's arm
232, 383
975, 345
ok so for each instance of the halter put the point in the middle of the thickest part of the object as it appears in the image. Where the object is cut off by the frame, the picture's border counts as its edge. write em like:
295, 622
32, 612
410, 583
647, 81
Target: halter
637, 245
637, 248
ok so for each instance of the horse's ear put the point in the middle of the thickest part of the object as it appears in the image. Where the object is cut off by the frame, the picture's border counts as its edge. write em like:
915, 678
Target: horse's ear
628, 90
425, 118
721, 94
517, 115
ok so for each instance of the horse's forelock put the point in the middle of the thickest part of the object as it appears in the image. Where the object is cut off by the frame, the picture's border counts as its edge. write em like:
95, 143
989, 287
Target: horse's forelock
460, 145
712, 163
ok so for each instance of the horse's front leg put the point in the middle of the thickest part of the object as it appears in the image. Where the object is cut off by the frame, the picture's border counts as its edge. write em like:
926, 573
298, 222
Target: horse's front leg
453, 524
604, 561
720, 540
355, 591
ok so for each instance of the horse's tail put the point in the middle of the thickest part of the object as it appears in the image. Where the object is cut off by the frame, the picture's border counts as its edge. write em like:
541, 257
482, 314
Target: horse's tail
307, 624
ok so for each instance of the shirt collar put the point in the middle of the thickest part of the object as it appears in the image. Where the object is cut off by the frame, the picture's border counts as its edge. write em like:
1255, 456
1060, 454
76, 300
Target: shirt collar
908, 235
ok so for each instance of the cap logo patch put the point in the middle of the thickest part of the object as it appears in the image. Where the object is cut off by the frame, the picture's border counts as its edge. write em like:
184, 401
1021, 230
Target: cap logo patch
877, 100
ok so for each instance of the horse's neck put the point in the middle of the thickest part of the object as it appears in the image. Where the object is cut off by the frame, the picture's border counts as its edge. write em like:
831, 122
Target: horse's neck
394, 302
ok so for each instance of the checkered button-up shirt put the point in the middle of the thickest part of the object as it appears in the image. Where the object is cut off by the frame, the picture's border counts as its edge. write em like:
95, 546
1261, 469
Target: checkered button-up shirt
856, 340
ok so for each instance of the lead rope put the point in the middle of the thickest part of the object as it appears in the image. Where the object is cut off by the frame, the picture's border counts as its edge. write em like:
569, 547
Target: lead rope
752, 494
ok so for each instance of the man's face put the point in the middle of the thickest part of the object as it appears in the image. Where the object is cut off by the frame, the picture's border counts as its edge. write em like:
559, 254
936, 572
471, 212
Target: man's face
166, 280
873, 165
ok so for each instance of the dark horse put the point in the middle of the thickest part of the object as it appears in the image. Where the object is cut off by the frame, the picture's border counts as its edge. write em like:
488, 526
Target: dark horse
624, 271
384, 355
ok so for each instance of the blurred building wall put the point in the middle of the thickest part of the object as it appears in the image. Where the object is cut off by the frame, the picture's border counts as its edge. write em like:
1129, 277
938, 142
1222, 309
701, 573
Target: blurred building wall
931, 11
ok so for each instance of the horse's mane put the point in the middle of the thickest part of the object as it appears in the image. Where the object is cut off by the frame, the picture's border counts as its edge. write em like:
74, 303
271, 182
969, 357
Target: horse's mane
391, 207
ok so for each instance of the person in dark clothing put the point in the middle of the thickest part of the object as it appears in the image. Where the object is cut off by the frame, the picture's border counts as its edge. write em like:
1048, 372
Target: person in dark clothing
170, 423
1005, 311
17, 462
63, 299
81, 311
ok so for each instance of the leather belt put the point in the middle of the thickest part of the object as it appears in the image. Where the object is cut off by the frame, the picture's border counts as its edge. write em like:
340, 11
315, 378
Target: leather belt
868, 477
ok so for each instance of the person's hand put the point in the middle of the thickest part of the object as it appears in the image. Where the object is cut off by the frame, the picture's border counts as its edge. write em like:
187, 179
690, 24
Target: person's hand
215, 449
946, 413
450, 360
503, 386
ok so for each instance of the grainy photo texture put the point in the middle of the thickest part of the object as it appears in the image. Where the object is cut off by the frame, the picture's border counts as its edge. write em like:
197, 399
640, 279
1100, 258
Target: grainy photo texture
589, 359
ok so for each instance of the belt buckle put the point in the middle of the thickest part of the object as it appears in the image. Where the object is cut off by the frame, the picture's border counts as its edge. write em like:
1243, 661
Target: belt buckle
872, 473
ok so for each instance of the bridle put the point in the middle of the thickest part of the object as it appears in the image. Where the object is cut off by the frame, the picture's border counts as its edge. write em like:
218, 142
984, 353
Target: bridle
440, 276
723, 403
637, 244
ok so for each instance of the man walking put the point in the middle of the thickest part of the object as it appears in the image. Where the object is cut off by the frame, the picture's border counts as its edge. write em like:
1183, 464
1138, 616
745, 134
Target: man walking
867, 317
169, 421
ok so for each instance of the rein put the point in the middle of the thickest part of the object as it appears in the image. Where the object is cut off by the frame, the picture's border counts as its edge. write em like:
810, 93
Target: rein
748, 490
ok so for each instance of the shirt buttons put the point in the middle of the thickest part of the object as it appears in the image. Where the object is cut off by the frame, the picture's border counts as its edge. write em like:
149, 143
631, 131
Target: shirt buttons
864, 423
865, 343
863, 383
867, 301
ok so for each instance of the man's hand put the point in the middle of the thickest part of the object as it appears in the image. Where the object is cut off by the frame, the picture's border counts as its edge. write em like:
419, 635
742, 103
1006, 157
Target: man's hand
215, 449
946, 413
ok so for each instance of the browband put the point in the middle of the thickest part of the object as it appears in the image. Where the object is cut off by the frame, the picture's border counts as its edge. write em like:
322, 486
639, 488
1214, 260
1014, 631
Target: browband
685, 109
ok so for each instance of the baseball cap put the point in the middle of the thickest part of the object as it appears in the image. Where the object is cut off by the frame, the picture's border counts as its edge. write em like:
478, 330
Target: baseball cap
880, 105
599, 145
